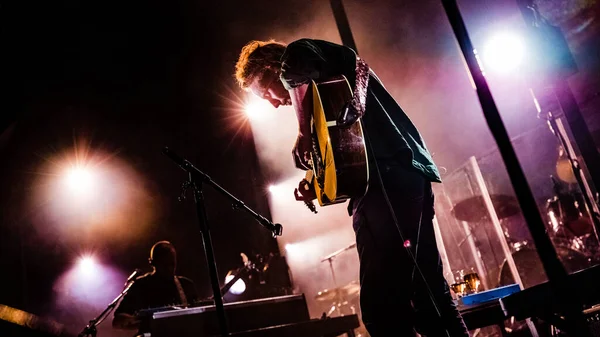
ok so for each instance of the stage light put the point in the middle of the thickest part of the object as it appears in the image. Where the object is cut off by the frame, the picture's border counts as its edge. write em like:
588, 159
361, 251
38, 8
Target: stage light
87, 266
79, 180
281, 191
504, 52
292, 248
275, 189
257, 109
238, 287
87, 285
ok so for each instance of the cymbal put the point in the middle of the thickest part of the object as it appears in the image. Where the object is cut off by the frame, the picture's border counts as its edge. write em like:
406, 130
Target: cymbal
352, 289
329, 295
564, 170
346, 292
473, 209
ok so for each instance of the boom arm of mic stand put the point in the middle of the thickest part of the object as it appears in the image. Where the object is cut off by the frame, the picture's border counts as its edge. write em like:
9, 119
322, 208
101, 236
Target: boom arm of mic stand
276, 229
90, 329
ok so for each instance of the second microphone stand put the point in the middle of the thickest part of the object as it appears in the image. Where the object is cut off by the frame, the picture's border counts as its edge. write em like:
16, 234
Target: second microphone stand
92, 328
196, 180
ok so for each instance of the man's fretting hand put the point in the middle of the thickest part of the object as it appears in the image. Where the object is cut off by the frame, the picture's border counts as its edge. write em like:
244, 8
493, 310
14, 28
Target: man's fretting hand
301, 152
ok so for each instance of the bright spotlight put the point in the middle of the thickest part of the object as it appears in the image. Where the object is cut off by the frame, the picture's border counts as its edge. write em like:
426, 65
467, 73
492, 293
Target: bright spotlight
79, 179
277, 190
257, 108
87, 266
87, 284
238, 287
504, 52
292, 248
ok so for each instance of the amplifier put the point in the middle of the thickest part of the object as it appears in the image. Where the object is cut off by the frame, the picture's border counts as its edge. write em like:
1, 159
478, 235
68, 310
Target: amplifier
241, 316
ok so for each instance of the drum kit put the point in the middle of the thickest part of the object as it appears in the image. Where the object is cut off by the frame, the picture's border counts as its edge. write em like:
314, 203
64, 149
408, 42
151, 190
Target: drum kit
568, 224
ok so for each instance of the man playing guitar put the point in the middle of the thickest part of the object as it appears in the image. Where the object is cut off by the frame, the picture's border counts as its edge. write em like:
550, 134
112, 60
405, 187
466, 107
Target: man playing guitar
402, 286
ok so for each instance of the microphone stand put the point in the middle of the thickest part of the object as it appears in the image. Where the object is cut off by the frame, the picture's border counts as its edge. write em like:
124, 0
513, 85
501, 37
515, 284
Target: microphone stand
329, 258
196, 179
91, 328
588, 197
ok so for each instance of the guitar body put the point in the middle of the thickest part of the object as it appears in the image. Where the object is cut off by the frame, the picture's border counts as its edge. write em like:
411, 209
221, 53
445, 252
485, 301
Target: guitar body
339, 157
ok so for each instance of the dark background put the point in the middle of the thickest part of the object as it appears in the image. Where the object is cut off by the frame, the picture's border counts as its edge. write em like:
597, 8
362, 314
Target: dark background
134, 76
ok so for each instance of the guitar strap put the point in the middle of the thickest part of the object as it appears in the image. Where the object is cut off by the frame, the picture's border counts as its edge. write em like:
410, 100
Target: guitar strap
182, 296
359, 98
357, 105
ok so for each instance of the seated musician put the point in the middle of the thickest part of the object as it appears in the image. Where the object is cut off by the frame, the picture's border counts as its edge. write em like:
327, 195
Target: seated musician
157, 289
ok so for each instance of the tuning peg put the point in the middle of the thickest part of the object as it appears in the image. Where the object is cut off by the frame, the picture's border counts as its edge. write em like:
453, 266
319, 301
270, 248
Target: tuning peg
311, 206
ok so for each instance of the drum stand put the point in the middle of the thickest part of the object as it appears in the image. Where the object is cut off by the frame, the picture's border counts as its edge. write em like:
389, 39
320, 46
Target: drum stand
591, 206
196, 179
339, 299
336, 306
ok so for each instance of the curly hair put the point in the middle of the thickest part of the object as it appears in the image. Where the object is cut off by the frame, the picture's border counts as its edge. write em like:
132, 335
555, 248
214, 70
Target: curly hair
255, 58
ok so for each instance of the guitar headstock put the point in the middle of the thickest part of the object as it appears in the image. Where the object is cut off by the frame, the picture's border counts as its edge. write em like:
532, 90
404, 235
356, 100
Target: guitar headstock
306, 193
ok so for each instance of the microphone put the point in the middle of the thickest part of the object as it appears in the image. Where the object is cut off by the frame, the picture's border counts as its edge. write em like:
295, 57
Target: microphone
184, 164
133, 276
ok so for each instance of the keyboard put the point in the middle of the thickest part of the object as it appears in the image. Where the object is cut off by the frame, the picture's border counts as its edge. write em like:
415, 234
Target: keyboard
276, 316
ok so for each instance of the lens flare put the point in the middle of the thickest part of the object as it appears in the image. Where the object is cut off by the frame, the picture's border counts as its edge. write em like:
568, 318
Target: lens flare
504, 52
86, 192
258, 109
84, 290
87, 266
277, 190
79, 180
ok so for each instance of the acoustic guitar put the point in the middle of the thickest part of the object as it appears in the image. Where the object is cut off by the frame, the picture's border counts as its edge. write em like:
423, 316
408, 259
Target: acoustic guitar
339, 157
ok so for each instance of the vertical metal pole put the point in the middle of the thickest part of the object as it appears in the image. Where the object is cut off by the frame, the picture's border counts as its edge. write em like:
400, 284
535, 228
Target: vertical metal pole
210, 255
341, 20
335, 287
332, 273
